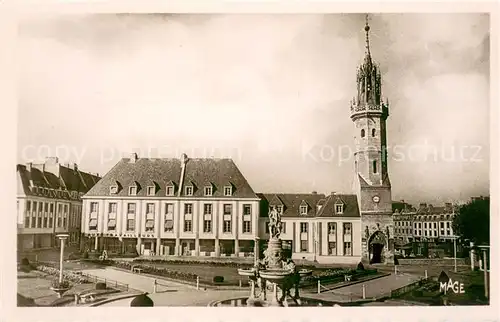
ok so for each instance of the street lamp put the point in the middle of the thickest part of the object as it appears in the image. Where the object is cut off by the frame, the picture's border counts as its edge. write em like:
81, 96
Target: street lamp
455, 251
62, 238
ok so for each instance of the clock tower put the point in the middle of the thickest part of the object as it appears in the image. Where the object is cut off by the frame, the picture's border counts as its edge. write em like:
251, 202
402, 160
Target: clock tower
373, 188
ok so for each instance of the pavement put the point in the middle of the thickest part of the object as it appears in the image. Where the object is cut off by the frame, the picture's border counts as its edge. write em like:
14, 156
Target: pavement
177, 294
136, 281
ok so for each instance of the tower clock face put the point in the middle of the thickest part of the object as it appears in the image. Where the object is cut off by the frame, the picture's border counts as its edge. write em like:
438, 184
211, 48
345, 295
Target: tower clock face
376, 199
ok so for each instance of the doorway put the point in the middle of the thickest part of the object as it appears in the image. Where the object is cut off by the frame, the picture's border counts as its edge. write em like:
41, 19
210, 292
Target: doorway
377, 242
376, 253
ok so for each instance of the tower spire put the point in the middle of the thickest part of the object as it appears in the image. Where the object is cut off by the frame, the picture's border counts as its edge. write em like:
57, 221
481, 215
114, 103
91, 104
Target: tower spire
367, 35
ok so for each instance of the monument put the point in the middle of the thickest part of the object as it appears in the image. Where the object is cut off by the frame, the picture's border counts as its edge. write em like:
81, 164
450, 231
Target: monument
274, 271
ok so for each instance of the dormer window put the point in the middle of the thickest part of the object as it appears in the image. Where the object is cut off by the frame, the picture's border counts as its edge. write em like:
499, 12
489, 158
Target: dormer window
208, 191
303, 210
170, 190
228, 191
151, 191
339, 208
113, 189
132, 191
189, 190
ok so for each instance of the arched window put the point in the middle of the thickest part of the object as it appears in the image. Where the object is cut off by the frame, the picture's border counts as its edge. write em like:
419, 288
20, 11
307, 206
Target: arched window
374, 166
362, 133
373, 132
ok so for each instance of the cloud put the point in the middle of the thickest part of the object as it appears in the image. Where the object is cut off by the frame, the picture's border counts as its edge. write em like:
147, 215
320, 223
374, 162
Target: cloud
263, 84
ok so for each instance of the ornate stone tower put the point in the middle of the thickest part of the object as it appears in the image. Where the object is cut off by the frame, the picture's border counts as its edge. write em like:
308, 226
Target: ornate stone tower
369, 114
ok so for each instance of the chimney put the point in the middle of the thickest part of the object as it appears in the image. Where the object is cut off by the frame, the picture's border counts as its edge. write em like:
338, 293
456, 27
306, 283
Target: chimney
133, 157
29, 166
184, 159
75, 166
52, 160
314, 192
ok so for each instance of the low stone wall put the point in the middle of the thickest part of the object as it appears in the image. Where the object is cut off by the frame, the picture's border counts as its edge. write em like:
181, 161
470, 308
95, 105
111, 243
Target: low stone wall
433, 261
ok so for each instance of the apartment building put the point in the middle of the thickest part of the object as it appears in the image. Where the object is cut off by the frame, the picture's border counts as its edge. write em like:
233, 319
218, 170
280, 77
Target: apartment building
49, 202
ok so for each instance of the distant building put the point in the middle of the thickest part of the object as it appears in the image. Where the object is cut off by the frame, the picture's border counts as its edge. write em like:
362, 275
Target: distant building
49, 202
403, 216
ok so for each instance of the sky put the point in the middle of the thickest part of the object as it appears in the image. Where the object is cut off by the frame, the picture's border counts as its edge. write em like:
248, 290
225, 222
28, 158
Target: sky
270, 91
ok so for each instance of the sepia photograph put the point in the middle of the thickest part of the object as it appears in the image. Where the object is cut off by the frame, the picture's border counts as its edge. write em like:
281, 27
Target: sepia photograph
253, 159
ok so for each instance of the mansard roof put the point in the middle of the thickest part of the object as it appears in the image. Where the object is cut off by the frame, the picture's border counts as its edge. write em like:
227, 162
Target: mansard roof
165, 171
53, 177
291, 203
350, 206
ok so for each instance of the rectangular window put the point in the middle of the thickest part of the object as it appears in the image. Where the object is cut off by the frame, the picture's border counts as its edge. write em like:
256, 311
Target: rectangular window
435, 225
188, 208
419, 225
131, 208
150, 221
448, 232
347, 249
425, 232
28, 205
228, 191
448, 224
332, 228
34, 206
169, 208
425, 225
188, 226
130, 224
304, 245
151, 191
227, 226
65, 209
51, 207
65, 222
189, 191
46, 207
132, 191
170, 191
93, 207
303, 227
208, 191
92, 223
247, 226
112, 208
267, 227
283, 227
339, 208
207, 226
347, 228
27, 222
442, 232
112, 220
441, 225
50, 222
228, 209
150, 208
247, 210
303, 210
207, 209
169, 225
332, 248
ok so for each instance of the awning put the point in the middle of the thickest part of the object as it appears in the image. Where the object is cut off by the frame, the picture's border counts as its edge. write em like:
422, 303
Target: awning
150, 223
112, 223
169, 216
247, 218
169, 224
227, 217
188, 216
207, 216
93, 223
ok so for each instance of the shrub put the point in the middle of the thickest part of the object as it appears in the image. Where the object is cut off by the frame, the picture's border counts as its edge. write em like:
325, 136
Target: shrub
100, 286
218, 279
25, 261
418, 293
63, 284
360, 267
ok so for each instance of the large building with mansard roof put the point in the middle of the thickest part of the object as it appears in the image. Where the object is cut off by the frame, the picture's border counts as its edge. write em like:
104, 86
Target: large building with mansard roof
206, 207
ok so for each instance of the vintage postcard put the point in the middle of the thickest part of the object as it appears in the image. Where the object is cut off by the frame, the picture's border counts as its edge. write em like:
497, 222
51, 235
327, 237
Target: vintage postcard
255, 159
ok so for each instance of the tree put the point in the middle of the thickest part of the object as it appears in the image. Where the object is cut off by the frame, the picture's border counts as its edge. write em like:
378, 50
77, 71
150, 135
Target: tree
472, 221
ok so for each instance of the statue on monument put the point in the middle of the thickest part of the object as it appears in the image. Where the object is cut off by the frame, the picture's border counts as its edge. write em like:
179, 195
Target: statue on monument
274, 223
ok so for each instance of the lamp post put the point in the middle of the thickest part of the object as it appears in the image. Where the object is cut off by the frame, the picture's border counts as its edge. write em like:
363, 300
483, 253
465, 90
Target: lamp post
62, 238
455, 252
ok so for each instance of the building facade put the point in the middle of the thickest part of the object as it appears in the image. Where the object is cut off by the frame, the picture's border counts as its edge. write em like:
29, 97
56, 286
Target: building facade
325, 229
434, 224
183, 207
49, 202
369, 114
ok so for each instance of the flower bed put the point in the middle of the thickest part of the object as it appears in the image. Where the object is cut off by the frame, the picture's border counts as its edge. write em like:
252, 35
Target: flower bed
159, 271
225, 263
67, 275
335, 275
